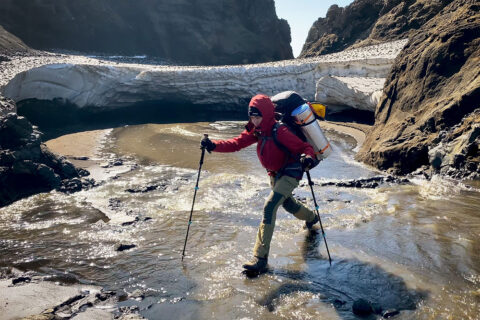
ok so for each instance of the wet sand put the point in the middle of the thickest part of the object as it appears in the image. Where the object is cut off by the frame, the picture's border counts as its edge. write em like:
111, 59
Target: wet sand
80, 144
87, 143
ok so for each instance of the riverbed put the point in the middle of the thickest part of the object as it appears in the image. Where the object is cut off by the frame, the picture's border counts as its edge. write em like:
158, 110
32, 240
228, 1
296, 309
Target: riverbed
410, 247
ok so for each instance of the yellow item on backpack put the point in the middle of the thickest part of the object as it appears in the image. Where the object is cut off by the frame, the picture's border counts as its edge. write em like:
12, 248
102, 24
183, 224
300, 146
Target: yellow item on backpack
319, 109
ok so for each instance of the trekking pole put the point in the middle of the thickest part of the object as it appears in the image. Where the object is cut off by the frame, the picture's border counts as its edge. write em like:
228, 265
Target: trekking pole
310, 183
194, 196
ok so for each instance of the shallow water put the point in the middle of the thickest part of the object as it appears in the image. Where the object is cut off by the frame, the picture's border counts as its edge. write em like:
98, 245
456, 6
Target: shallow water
413, 247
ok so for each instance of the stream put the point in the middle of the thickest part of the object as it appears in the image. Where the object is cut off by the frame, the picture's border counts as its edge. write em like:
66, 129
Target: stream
412, 247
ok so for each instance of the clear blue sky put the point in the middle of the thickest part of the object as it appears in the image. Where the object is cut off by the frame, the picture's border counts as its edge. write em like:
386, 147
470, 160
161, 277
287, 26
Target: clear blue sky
301, 14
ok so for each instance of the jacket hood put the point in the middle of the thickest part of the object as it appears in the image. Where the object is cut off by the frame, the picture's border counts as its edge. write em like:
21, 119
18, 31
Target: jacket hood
265, 105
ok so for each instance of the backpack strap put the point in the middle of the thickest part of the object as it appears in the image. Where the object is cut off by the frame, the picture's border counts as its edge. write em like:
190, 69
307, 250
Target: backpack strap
293, 169
276, 126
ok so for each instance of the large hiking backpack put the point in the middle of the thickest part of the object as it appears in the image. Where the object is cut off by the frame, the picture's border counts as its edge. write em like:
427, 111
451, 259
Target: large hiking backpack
285, 102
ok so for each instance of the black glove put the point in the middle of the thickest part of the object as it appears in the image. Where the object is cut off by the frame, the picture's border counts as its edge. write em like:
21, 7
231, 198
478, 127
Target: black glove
207, 144
307, 162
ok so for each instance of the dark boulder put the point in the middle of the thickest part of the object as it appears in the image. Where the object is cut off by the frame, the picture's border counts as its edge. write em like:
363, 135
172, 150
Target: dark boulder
26, 166
362, 307
21, 280
124, 247
390, 313
430, 109
145, 189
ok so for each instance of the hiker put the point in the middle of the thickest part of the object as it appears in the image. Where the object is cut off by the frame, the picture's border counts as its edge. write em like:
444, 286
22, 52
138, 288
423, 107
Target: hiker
285, 157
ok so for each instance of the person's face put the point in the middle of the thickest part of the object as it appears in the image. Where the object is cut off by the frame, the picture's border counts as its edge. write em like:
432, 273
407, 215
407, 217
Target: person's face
256, 120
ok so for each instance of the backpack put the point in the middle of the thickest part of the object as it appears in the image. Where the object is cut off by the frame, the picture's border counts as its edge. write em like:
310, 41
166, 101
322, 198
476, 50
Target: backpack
285, 102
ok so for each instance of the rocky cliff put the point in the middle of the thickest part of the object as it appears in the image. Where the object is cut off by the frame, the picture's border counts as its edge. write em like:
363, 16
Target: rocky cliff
367, 22
26, 166
207, 32
9, 44
429, 114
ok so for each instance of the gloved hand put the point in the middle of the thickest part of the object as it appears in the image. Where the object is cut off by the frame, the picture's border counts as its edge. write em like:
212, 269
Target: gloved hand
307, 162
207, 144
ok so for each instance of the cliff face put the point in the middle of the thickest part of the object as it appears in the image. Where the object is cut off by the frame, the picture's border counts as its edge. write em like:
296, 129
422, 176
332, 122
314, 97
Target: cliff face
185, 31
429, 114
367, 22
10, 44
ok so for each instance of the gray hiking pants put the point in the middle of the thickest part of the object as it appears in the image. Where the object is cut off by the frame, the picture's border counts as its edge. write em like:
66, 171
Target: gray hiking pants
281, 194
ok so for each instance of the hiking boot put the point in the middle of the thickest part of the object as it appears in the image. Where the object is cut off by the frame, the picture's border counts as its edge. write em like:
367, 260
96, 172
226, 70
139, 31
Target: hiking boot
310, 225
257, 264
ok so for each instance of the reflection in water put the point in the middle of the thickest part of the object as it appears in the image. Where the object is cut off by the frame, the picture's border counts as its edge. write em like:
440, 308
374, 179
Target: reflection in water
411, 247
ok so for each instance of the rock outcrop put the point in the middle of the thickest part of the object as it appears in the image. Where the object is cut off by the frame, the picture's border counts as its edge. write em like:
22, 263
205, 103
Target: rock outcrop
10, 44
368, 22
26, 165
103, 87
428, 115
205, 32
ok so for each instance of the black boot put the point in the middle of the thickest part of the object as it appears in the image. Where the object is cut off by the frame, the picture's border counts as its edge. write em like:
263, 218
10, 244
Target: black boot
257, 264
309, 225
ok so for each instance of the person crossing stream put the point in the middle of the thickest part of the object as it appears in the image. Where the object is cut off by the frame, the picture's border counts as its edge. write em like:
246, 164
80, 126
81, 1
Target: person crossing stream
285, 167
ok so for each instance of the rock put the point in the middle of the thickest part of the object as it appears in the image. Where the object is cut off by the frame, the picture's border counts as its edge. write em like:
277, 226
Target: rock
362, 307
63, 278
7, 106
4, 59
129, 223
123, 247
81, 158
105, 165
68, 169
431, 100
338, 303
21, 280
50, 298
128, 309
10, 44
115, 203
143, 189
367, 22
28, 167
341, 27
369, 183
6, 158
206, 32
435, 157
390, 313
117, 162
72, 185
103, 296
82, 172
137, 294
14, 131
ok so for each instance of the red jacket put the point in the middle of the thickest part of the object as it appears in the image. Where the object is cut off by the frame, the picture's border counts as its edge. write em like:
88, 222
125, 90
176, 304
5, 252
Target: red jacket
270, 155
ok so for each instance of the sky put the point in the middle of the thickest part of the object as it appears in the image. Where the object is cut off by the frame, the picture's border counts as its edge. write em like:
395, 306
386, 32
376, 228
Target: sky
301, 14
